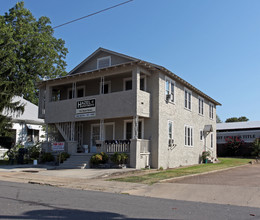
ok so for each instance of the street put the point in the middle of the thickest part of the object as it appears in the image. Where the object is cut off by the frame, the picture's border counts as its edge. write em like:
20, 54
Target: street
33, 201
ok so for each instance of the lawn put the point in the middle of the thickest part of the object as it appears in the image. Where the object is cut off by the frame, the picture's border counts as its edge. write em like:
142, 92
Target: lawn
183, 171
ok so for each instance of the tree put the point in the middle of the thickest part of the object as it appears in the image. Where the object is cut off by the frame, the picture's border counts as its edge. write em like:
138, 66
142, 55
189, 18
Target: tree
235, 119
29, 53
218, 120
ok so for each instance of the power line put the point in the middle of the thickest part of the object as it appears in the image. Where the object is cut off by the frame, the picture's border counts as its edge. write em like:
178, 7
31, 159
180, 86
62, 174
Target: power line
106, 9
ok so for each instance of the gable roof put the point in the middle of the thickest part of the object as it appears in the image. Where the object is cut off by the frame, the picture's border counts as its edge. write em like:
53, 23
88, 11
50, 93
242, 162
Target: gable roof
133, 60
30, 114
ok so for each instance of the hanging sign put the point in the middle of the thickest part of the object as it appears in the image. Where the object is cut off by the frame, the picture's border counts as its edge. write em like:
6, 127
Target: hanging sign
86, 108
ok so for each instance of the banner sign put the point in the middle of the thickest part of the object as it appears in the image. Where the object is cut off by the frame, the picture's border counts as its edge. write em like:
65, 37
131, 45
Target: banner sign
86, 106
246, 136
58, 146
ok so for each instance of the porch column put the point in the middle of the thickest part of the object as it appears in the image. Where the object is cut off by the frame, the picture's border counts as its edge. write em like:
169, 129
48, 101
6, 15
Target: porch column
135, 127
102, 83
102, 135
72, 131
74, 89
136, 78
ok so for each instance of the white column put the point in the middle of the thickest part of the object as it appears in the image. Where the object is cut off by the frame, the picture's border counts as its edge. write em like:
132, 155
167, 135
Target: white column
102, 135
135, 127
72, 130
102, 83
74, 90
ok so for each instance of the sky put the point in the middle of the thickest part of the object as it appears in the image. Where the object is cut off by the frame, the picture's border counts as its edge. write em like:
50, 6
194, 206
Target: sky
213, 45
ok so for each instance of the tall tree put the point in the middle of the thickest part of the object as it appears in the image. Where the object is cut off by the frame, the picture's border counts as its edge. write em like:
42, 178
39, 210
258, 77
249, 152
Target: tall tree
28, 53
235, 119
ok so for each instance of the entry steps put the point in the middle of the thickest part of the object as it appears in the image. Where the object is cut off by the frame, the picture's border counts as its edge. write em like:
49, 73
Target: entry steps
79, 161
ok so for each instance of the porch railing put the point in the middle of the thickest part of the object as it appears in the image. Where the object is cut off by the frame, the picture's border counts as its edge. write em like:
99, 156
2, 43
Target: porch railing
120, 146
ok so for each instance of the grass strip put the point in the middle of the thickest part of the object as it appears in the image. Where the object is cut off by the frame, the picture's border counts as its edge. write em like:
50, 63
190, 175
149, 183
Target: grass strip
152, 178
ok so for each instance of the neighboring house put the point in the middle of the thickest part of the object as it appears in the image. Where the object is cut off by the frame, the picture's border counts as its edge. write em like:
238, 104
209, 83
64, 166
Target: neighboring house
27, 127
246, 132
115, 103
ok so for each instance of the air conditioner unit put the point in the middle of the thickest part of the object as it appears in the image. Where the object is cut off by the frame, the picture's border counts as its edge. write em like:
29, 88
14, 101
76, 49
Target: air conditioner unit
168, 97
171, 142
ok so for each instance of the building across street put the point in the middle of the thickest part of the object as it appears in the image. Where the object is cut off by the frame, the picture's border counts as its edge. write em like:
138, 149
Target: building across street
112, 102
237, 133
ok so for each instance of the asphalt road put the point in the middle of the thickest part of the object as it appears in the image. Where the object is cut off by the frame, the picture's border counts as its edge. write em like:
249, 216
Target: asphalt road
32, 201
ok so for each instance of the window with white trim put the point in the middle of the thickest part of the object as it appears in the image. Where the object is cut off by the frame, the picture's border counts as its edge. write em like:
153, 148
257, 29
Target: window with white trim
169, 89
129, 129
187, 99
170, 130
211, 110
201, 135
201, 105
211, 140
103, 62
80, 92
188, 136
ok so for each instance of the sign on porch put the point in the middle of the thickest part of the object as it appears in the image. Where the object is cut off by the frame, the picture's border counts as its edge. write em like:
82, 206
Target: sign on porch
86, 108
58, 146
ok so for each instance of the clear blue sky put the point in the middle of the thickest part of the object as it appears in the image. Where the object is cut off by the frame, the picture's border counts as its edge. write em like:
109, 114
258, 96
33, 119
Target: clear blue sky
214, 45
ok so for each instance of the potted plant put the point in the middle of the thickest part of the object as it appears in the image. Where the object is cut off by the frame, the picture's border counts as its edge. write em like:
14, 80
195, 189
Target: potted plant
119, 159
204, 156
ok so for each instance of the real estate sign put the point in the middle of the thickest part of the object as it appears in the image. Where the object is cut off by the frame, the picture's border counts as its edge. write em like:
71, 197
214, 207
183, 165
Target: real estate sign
86, 108
58, 146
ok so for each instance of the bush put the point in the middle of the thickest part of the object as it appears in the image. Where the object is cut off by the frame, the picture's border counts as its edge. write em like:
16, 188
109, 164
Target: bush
118, 158
256, 148
205, 155
13, 152
47, 157
64, 156
34, 152
101, 158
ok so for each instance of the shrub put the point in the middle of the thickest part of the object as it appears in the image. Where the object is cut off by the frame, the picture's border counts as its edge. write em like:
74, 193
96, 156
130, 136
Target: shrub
204, 155
47, 157
34, 152
256, 147
64, 156
118, 158
13, 152
104, 157
96, 159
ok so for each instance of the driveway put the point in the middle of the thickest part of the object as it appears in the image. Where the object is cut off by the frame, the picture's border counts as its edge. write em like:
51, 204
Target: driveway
237, 186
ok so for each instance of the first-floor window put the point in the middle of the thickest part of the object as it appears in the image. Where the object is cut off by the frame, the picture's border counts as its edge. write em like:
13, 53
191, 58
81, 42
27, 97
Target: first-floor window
201, 135
211, 140
170, 126
188, 135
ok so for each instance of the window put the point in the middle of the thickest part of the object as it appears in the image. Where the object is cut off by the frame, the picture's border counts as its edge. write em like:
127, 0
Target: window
187, 103
56, 95
169, 89
211, 108
170, 130
80, 92
201, 106
103, 62
106, 88
211, 140
201, 135
128, 83
129, 129
188, 136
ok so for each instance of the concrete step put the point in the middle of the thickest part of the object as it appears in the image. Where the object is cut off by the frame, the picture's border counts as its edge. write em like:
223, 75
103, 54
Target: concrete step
76, 162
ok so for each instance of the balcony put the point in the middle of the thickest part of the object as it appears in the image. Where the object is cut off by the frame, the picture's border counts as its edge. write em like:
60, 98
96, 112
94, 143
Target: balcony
111, 105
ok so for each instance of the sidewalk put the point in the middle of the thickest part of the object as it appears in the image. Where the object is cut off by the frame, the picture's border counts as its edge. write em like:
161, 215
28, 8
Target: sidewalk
200, 189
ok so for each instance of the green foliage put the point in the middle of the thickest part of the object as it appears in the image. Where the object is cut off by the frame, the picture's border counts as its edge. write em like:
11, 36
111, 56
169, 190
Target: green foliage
99, 158
96, 159
233, 144
13, 152
256, 147
64, 156
29, 53
47, 157
34, 152
118, 158
205, 155
235, 119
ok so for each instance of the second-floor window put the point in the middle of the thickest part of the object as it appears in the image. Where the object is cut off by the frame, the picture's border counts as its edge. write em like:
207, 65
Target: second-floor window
169, 89
80, 93
128, 83
187, 99
106, 88
201, 106
211, 112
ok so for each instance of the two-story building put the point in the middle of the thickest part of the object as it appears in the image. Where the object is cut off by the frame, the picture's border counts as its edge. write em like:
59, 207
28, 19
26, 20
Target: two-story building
115, 103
